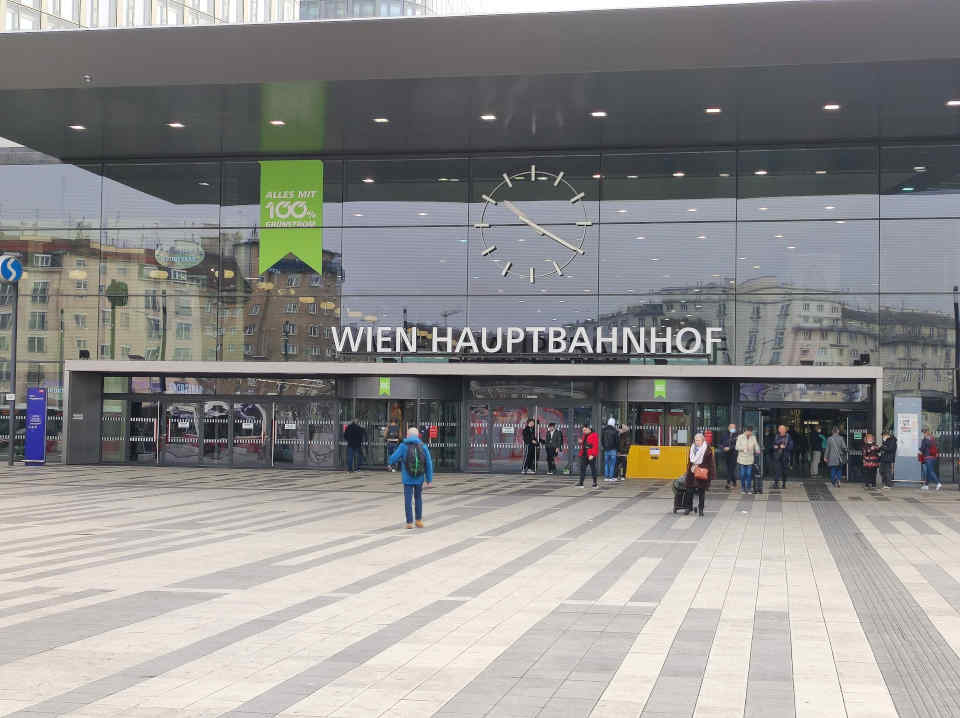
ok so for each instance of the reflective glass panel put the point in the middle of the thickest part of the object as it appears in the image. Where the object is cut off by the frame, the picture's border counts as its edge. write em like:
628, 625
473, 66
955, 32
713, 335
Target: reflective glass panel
161, 195
49, 196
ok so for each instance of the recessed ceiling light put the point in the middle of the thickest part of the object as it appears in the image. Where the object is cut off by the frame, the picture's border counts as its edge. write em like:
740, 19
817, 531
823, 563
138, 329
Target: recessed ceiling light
692, 209
953, 103
597, 176
764, 209
841, 221
621, 211
358, 214
790, 246
277, 123
778, 236
741, 258
713, 110
756, 266
679, 174
760, 173
906, 189
442, 179
77, 128
724, 174
176, 125
381, 120
701, 236
598, 113
641, 237
714, 275
821, 172
919, 168
203, 183
454, 179
831, 107
488, 117
654, 259
422, 214
633, 176
368, 180
829, 206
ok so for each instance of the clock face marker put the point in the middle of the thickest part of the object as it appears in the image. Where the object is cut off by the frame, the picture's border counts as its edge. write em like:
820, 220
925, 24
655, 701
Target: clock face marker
507, 180
487, 198
506, 269
556, 182
577, 197
489, 250
533, 172
556, 268
482, 225
533, 276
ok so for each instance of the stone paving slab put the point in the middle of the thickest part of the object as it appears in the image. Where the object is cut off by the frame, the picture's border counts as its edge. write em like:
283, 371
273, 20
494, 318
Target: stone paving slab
146, 591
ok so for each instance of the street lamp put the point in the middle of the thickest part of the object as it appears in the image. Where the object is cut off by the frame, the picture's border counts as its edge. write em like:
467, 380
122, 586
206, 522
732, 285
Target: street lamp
287, 327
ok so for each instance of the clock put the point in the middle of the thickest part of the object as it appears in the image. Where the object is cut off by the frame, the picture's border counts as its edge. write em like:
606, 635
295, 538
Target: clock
557, 242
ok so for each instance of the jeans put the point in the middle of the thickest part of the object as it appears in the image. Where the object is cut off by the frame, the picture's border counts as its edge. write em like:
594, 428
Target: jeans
815, 463
780, 469
389, 448
930, 464
592, 461
413, 493
746, 476
354, 459
609, 462
733, 469
836, 473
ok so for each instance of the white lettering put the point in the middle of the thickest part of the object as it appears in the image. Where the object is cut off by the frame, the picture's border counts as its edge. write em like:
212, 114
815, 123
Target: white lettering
487, 347
383, 340
557, 340
437, 340
536, 331
346, 334
666, 340
711, 339
514, 337
611, 340
630, 343
409, 340
466, 341
580, 341
695, 346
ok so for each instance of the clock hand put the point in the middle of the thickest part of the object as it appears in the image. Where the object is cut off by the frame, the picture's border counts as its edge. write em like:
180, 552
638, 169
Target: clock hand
540, 230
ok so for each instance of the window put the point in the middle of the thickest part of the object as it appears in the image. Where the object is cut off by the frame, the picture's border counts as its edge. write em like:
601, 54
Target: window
80, 321
314, 330
778, 341
183, 308
806, 306
82, 284
254, 310
151, 300
312, 308
820, 308
316, 280
104, 351
290, 329
81, 344
250, 329
806, 334
181, 354
316, 351
125, 350
290, 348
178, 275
184, 330
81, 262
38, 321
40, 292
775, 358
6, 293
291, 308
248, 348
293, 281
36, 345
42, 260
105, 317
153, 328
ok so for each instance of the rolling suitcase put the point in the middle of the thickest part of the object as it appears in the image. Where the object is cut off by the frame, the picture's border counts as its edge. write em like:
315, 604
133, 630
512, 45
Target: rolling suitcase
682, 497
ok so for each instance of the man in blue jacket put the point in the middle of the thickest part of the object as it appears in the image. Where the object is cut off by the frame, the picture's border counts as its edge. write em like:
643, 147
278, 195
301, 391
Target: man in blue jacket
416, 467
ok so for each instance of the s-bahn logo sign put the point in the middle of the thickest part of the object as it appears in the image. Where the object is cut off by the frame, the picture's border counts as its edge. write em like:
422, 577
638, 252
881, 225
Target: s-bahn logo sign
10, 268
538, 340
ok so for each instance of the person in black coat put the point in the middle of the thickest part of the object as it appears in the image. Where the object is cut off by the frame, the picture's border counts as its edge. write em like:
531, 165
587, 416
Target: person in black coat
888, 457
729, 449
530, 444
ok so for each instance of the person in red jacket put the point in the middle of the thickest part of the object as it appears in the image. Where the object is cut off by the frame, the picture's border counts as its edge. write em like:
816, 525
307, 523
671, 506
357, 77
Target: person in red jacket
589, 449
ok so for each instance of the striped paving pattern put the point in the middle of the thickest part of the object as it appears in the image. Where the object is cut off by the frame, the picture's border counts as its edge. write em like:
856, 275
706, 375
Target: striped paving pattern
141, 591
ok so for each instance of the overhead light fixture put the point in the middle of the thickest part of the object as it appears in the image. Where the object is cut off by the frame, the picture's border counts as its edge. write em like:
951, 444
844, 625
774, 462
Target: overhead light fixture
906, 189
621, 211
381, 120
953, 103
633, 176
760, 173
368, 180
831, 107
277, 123
598, 113
641, 237
841, 221
203, 183
679, 174
358, 214
701, 236
919, 168
829, 207
442, 179
790, 246
422, 214
488, 117
654, 259
597, 176
176, 125
756, 266
713, 110
77, 128
778, 236
692, 209
821, 172
724, 174
764, 209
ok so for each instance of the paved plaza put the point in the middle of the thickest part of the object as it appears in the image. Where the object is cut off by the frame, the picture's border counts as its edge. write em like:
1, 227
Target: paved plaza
130, 591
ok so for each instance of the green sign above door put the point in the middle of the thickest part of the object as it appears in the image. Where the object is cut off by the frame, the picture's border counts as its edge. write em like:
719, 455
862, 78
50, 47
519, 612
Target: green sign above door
384, 386
291, 212
659, 388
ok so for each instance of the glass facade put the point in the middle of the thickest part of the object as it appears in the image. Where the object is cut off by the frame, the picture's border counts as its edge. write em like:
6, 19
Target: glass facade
818, 256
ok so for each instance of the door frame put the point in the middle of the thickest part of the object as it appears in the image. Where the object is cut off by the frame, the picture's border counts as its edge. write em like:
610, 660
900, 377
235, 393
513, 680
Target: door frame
567, 405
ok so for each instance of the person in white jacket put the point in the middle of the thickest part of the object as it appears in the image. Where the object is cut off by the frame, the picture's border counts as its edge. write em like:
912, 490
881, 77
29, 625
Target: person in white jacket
747, 451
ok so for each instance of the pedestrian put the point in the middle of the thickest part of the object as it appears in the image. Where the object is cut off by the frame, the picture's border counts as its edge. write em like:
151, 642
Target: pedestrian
928, 456
610, 440
748, 449
589, 450
870, 461
416, 467
835, 456
391, 439
801, 450
701, 470
818, 442
782, 455
354, 435
888, 457
623, 451
529, 448
554, 442
730, 455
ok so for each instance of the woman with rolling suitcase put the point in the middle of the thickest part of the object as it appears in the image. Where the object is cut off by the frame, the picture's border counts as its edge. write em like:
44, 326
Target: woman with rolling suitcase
701, 470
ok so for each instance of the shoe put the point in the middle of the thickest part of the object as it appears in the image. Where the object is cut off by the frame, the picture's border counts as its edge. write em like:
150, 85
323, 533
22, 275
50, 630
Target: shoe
594, 484
686, 512
924, 488
419, 524
580, 486
701, 512
939, 486
409, 526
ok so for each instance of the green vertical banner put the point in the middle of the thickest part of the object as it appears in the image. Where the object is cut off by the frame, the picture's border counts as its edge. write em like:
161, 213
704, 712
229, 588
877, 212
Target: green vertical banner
659, 388
384, 386
291, 212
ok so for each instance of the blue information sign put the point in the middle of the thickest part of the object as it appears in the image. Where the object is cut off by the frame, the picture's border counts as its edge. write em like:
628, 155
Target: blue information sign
35, 443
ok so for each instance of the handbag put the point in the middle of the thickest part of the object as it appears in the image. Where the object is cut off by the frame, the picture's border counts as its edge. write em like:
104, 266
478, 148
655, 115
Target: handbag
701, 473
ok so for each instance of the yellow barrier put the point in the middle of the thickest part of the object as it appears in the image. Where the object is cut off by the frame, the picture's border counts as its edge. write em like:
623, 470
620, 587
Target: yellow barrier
657, 462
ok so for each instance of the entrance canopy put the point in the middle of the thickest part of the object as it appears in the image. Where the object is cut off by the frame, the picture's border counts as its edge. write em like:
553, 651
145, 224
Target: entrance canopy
767, 71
